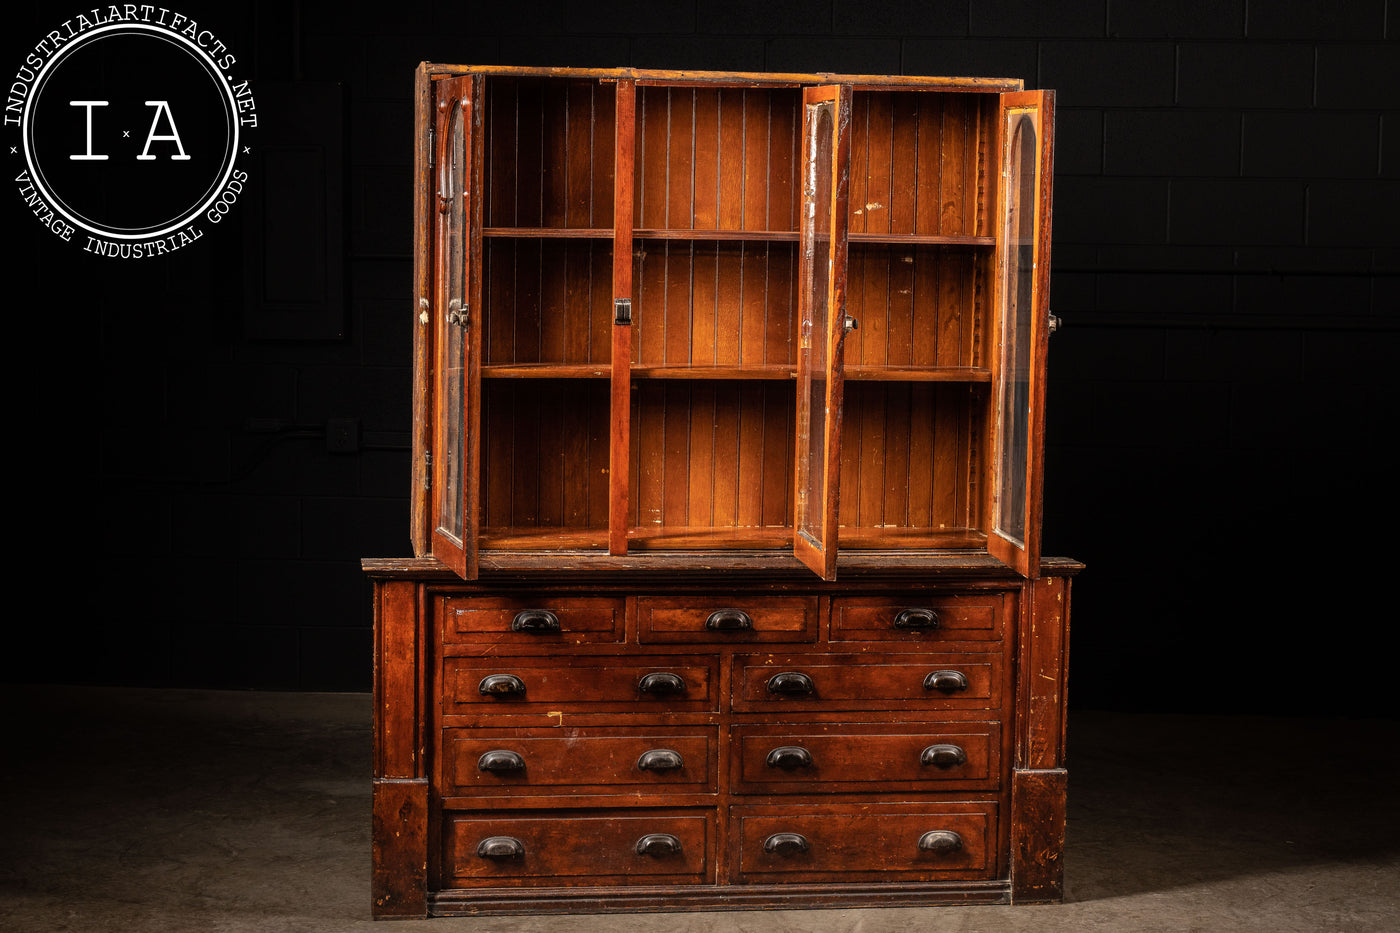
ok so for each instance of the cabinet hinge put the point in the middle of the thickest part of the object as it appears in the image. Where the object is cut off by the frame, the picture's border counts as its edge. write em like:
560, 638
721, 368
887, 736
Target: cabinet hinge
427, 469
458, 312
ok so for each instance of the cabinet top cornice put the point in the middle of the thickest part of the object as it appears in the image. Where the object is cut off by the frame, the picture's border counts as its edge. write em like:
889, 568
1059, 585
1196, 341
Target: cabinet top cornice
734, 78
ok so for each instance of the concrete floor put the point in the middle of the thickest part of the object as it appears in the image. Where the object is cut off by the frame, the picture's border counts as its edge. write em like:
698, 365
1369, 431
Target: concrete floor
218, 812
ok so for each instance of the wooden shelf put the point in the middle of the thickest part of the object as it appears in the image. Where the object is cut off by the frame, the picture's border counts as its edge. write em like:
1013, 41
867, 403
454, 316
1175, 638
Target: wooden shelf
545, 371
685, 538
920, 239
688, 233
910, 539
544, 539
778, 372
565, 233
918, 374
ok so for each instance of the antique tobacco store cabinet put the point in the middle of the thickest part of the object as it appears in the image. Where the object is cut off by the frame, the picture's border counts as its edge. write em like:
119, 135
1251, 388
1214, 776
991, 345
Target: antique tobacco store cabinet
728, 409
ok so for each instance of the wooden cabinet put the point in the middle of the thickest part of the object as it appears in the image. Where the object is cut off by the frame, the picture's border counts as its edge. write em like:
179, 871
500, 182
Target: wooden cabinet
727, 587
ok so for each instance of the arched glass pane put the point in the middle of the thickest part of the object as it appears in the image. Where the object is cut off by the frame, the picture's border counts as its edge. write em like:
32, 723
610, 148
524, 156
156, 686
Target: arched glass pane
1017, 332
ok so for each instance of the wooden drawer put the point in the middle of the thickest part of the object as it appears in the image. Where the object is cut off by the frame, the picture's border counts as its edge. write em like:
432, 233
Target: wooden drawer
849, 842
526, 619
611, 759
929, 682
920, 619
566, 848
835, 757
592, 684
708, 619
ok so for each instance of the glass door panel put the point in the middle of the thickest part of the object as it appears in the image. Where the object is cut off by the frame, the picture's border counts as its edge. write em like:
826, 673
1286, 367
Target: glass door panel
821, 324
453, 498
1023, 313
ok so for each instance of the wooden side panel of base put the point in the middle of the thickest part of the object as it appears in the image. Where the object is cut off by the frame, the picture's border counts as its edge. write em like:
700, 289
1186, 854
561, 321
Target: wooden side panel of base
399, 881
1037, 836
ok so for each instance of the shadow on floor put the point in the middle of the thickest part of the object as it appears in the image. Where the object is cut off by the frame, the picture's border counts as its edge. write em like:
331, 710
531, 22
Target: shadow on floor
176, 810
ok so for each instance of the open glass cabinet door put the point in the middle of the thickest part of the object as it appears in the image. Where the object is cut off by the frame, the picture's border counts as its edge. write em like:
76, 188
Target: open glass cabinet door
1023, 313
821, 312
453, 500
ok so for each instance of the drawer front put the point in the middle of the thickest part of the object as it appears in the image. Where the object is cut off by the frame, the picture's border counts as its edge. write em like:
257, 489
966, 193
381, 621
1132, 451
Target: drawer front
768, 683
838, 757
533, 620
612, 759
920, 619
709, 619
584, 684
562, 848
916, 842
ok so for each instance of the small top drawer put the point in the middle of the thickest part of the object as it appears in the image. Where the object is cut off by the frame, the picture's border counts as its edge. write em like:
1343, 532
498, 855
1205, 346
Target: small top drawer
919, 618
526, 619
721, 619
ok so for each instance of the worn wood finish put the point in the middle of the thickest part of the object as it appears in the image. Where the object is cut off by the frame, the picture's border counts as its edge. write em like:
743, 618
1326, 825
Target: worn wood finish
854, 843
606, 684
1044, 671
732, 619
603, 760
920, 619
532, 619
400, 697
1037, 850
593, 848
398, 880
844, 757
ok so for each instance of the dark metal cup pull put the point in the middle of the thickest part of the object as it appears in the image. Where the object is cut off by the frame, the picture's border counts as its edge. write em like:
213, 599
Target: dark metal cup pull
940, 841
501, 761
661, 684
791, 684
943, 756
502, 685
946, 681
660, 759
500, 847
789, 758
535, 622
659, 845
785, 844
729, 620
917, 620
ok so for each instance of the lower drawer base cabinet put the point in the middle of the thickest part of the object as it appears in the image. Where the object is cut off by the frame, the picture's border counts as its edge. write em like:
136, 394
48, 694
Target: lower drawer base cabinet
696, 740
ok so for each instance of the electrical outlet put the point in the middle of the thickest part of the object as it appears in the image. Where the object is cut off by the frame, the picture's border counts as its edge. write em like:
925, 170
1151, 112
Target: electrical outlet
343, 435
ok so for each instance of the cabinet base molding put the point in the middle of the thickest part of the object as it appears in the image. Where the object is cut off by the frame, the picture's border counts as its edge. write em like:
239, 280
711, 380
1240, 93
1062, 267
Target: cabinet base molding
710, 897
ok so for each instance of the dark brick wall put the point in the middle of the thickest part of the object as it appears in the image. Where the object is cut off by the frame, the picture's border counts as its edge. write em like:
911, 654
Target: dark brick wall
1225, 266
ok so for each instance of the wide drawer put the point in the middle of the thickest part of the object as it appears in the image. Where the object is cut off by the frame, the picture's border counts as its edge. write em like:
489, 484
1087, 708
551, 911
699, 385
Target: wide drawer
612, 759
526, 619
720, 619
767, 683
919, 619
594, 684
844, 843
556, 849
782, 759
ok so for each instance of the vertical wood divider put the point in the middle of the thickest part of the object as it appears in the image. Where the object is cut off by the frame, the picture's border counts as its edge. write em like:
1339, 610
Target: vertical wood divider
621, 406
